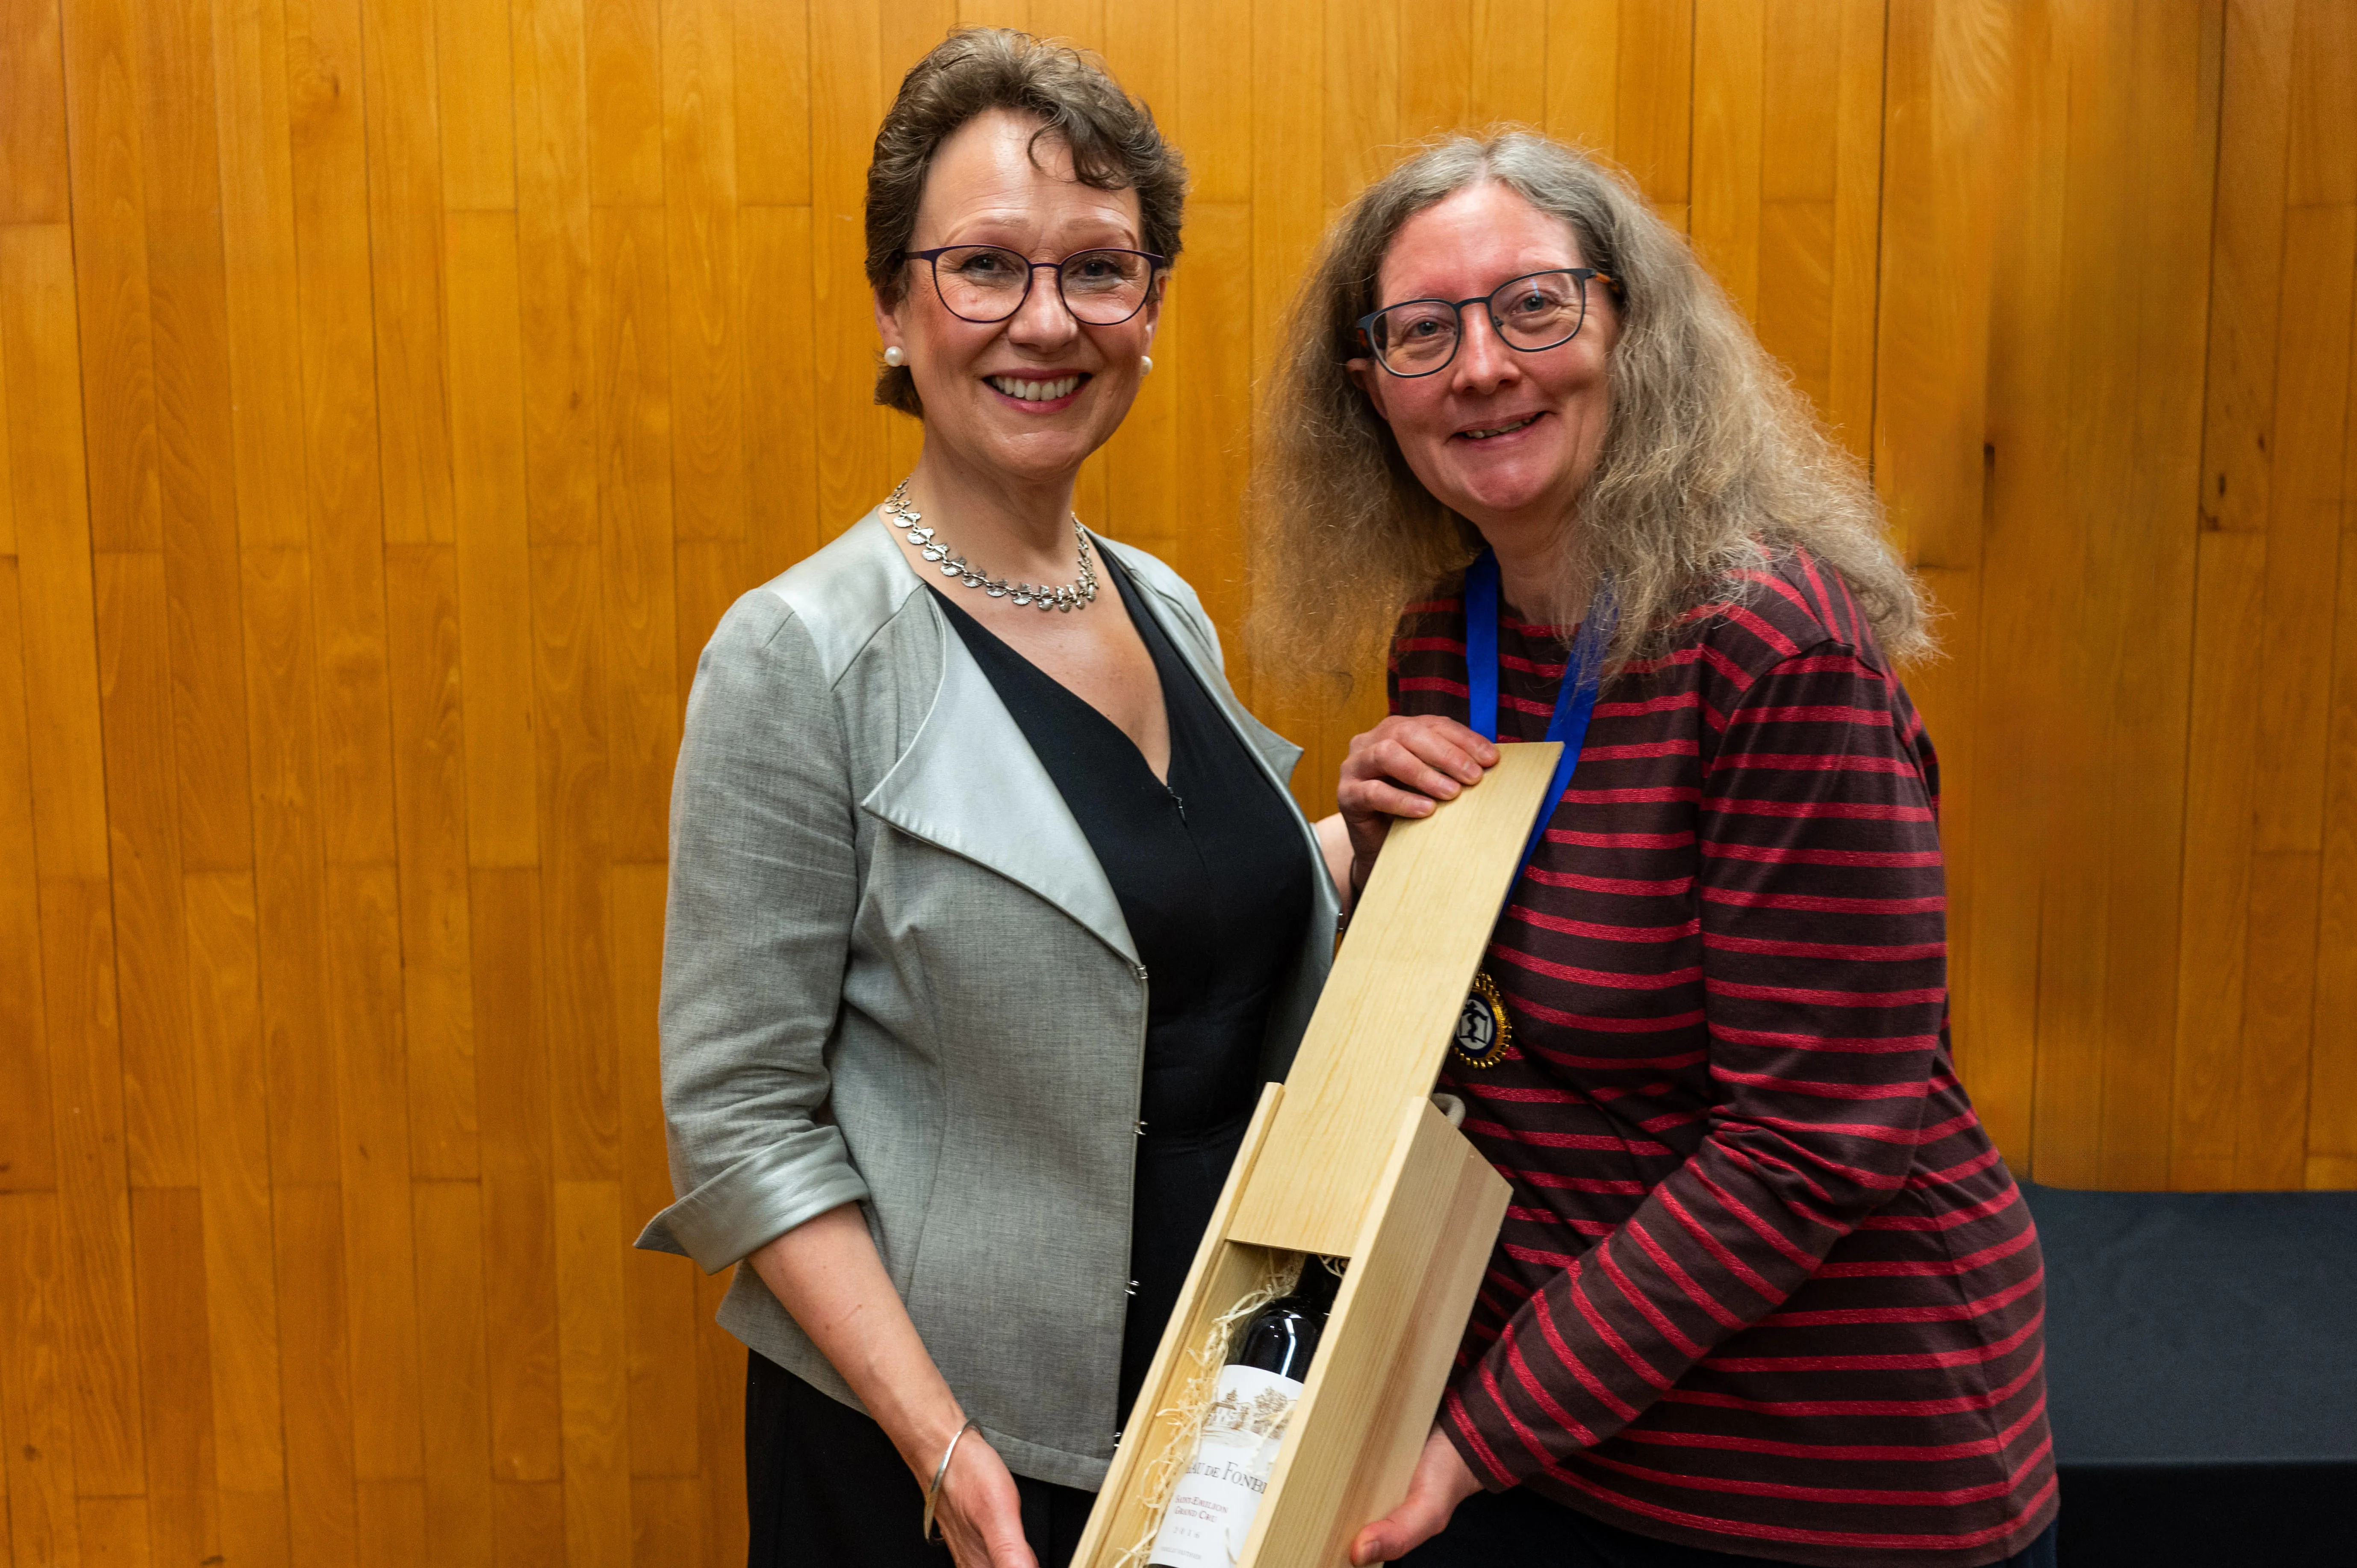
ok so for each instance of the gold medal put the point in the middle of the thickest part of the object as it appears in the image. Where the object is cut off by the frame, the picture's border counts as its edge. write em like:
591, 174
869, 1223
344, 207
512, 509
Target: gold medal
1483, 1031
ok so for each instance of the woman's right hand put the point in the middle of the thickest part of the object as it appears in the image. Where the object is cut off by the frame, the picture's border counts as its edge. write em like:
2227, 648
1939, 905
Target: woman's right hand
979, 1511
1403, 767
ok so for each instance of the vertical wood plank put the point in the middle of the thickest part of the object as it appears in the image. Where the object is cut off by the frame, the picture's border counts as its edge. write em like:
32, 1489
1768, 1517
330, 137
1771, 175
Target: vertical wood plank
1726, 161
1804, 60
1080, 23
240, 1302
113, 1531
519, 1224
570, 690
34, 180
528, 1528
289, 872
38, 342
1933, 465
552, 117
636, 449
1362, 75
390, 1518
1437, 93
27, 1148
331, 228
1140, 463
36, 1365
706, 376
1214, 415
2069, 414
2305, 534
151, 949
2270, 1110
167, 1232
2303, 519
189, 300
657, 1292
102, 1395
475, 82
1583, 73
1214, 108
453, 1346
2152, 552
429, 766
772, 104
364, 998
2245, 274
493, 553
1509, 82
2332, 1133
1653, 135
846, 104
595, 1377
406, 285
720, 1366
315, 1368
110, 274
1288, 128
2215, 904
254, 106
213, 803
781, 523
1849, 405
624, 50
666, 1520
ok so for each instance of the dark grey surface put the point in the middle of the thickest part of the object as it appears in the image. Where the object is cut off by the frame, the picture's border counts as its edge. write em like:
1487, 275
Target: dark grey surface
2207, 1327
2201, 1376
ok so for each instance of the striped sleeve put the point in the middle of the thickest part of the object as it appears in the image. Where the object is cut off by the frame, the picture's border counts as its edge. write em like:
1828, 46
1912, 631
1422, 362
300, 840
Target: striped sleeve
1820, 902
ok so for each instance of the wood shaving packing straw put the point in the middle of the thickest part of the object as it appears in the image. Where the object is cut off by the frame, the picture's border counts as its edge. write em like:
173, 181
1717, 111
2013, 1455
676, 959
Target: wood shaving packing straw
1194, 1401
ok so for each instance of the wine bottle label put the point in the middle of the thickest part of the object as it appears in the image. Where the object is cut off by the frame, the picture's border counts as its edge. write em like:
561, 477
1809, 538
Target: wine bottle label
1211, 1508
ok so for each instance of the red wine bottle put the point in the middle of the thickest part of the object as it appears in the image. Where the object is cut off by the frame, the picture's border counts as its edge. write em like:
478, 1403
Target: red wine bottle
1212, 1509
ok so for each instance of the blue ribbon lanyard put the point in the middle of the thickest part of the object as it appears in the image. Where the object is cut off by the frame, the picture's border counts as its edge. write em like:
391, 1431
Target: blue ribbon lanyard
1574, 703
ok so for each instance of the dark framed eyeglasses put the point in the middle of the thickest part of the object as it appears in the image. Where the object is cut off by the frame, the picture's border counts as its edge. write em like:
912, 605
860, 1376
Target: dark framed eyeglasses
985, 284
1535, 311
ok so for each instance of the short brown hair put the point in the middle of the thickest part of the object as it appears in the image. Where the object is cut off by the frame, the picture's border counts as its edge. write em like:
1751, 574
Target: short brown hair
1112, 137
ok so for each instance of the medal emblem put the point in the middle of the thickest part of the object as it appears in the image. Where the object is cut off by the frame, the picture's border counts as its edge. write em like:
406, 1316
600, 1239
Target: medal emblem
1483, 1032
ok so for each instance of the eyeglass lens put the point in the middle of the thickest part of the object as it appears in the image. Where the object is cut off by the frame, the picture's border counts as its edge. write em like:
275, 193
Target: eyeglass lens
1531, 313
986, 282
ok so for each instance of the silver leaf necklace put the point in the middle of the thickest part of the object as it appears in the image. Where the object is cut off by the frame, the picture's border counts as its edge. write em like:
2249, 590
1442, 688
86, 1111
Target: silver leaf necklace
1074, 596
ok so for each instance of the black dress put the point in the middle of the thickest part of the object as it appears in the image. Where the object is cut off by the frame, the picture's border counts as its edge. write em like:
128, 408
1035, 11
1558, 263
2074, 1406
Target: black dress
1212, 874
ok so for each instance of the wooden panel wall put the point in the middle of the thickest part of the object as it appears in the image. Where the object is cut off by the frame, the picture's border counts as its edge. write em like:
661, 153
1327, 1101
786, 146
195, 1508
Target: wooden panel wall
394, 392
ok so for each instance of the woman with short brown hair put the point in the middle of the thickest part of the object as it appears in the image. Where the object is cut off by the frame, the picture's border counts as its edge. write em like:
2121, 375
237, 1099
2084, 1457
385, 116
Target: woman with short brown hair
989, 912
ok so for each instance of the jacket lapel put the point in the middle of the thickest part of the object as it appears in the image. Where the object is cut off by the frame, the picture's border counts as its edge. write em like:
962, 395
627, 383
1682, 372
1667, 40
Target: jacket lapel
970, 783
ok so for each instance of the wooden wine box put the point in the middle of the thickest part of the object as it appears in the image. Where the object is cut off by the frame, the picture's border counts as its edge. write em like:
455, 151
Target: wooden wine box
1349, 1157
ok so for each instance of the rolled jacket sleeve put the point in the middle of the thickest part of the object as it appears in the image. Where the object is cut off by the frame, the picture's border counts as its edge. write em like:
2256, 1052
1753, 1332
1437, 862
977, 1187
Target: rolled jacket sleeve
764, 882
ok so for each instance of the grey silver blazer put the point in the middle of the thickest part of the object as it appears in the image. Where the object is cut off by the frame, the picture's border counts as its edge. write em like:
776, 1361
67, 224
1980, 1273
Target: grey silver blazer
894, 974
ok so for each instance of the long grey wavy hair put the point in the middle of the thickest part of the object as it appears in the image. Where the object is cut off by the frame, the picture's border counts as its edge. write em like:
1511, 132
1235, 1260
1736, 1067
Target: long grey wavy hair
1710, 462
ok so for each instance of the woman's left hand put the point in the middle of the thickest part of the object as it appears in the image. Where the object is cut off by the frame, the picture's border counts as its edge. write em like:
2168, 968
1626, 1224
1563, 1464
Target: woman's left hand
1401, 767
1441, 1481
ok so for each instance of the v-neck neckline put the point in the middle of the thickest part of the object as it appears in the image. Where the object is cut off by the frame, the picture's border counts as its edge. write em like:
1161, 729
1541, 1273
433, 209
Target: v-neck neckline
1164, 659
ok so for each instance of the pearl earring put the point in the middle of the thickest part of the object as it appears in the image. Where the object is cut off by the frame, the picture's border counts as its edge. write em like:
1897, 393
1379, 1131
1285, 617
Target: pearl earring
894, 358
1146, 364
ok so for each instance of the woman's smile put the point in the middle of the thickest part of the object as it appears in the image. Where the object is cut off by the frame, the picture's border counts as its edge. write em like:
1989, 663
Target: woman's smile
1502, 430
1038, 392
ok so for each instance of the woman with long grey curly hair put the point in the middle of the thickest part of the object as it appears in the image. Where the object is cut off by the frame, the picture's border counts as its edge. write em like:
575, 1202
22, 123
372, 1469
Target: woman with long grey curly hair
1710, 453
1765, 1290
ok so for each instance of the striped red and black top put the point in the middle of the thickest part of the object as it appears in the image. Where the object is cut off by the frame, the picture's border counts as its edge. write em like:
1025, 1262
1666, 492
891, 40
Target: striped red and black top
1765, 1287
